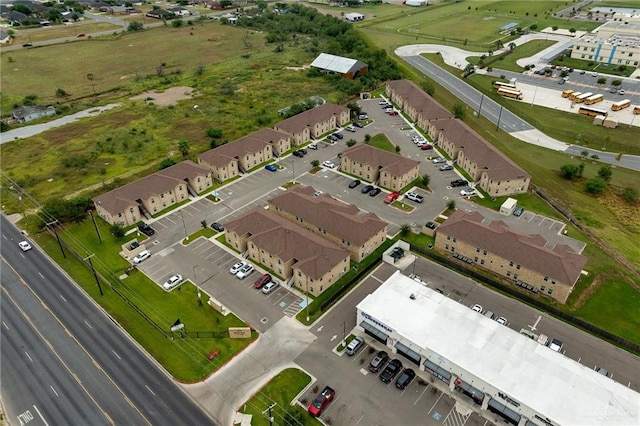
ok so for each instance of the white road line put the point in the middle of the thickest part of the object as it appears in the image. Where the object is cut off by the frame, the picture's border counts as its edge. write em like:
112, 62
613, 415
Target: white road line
116, 354
28, 356
40, 414
149, 389
62, 297
4, 236
435, 403
88, 325
41, 276
361, 418
5, 325
54, 391
420, 397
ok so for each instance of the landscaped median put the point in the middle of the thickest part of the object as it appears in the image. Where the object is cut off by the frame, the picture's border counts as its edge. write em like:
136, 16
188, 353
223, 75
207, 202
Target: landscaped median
144, 309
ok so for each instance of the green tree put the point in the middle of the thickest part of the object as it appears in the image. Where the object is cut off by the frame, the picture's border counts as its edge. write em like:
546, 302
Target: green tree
426, 180
355, 108
459, 110
315, 163
602, 81
595, 185
203, 223
135, 26
572, 31
226, 3
177, 23
630, 194
512, 46
616, 82
184, 147
92, 77
605, 173
428, 87
351, 142
22, 9
117, 230
167, 162
61, 93
405, 228
367, 137
398, 149
569, 171
214, 133
554, 28
451, 205
534, 27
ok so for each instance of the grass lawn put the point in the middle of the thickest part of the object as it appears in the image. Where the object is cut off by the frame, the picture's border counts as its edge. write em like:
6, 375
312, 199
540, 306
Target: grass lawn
281, 390
381, 141
61, 31
587, 65
508, 62
568, 127
184, 358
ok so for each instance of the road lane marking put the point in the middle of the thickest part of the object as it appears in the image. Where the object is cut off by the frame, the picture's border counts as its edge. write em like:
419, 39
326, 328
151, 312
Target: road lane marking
62, 297
115, 353
5, 325
28, 356
41, 276
54, 391
149, 389
88, 325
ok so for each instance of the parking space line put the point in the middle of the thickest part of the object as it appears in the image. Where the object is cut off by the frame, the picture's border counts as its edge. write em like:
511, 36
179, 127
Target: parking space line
420, 397
435, 403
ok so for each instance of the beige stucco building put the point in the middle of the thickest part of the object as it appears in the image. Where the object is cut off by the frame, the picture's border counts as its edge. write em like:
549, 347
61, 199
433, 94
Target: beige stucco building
311, 262
617, 42
313, 123
150, 195
530, 261
340, 223
389, 170
417, 104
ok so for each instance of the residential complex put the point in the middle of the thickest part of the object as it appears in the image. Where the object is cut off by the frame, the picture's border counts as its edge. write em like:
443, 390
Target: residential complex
343, 224
387, 169
152, 194
310, 261
529, 260
313, 123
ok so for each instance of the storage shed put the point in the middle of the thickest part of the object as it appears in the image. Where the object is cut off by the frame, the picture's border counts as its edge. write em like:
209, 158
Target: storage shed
347, 67
508, 206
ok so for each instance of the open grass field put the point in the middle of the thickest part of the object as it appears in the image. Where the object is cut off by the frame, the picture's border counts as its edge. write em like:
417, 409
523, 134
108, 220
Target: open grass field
281, 390
474, 25
508, 62
184, 358
60, 31
565, 61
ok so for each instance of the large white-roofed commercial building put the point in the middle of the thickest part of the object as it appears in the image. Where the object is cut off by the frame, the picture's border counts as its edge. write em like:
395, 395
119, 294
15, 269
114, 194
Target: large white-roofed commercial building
347, 67
515, 377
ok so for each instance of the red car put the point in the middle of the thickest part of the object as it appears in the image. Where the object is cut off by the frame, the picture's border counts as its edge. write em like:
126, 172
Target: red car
262, 281
426, 146
391, 197
394, 112
322, 400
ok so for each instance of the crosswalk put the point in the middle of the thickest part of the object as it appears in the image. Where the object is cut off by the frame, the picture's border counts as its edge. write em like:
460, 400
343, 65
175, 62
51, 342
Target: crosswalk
458, 415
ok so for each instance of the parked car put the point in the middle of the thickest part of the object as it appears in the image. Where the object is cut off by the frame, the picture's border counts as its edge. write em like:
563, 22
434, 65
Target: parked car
488, 314
146, 229
354, 183
321, 401
414, 196
24, 245
467, 192
317, 193
217, 226
313, 146
354, 345
80, 35
431, 225
391, 370
298, 153
391, 197
245, 271
338, 135
134, 245
269, 287
142, 256
518, 212
393, 112
374, 192
260, 282
446, 167
502, 320
332, 137
328, 164
439, 160
172, 282
358, 124
555, 345
236, 268
362, 116
459, 182
405, 378
350, 128
366, 189
271, 167
383, 101
621, 92
603, 371
378, 361
426, 146
477, 308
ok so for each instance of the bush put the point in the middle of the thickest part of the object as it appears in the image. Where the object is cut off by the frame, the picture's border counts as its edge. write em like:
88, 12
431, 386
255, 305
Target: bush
595, 186
117, 230
630, 195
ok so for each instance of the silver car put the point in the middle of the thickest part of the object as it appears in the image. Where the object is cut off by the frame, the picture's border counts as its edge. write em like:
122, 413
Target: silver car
172, 282
245, 271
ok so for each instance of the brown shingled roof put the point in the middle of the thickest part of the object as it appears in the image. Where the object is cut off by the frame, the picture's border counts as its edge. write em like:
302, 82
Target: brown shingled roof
344, 221
414, 96
530, 251
117, 200
309, 118
315, 256
395, 164
223, 154
478, 150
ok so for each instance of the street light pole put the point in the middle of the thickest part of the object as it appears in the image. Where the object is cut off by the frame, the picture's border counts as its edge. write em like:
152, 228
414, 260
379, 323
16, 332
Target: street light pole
480, 107
186, 236
95, 275
95, 225
195, 279
499, 116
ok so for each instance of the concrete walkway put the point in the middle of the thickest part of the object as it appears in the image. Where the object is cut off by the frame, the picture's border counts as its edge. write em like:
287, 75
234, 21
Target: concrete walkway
28, 131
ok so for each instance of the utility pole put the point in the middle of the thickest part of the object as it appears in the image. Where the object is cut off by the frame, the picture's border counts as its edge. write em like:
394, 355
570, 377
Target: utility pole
270, 416
499, 116
48, 225
95, 275
195, 279
480, 107
186, 236
95, 225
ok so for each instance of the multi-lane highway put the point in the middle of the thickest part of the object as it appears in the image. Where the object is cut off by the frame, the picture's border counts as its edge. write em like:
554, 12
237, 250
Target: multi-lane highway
64, 361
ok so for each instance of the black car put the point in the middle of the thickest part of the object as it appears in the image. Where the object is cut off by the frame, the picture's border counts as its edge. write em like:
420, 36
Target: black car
459, 182
391, 370
378, 362
303, 151
518, 212
374, 192
134, 245
430, 225
216, 226
298, 153
354, 183
367, 188
358, 124
405, 378
146, 229
338, 135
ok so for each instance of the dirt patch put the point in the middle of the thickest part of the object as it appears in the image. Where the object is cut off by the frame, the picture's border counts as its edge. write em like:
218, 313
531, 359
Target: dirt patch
304, 67
586, 295
168, 97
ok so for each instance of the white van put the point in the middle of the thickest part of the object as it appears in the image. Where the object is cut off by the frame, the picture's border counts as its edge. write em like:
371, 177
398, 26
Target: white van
354, 345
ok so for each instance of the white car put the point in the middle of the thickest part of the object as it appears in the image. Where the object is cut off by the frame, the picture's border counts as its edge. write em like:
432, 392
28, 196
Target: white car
24, 245
142, 256
439, 160
245, 271
414, 196
350, 128
235, 268
555, 345
502, 320
467, 192
477, 308
382, 101
328, 164
313, 146
317, 193
268, 287
172, 282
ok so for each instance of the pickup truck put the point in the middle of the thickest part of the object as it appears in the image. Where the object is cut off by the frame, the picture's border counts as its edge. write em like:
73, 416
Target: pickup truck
322, 400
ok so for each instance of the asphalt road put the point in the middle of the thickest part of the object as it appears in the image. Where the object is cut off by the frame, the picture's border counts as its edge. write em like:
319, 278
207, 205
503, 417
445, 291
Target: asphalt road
151, 395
